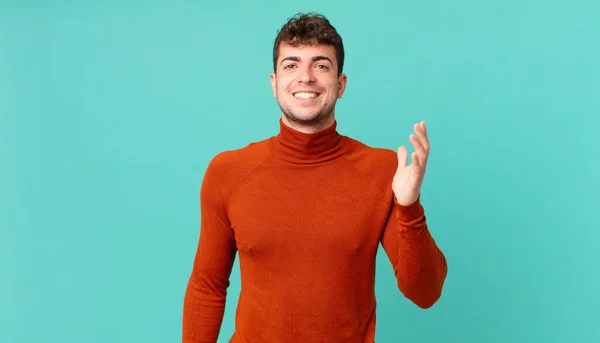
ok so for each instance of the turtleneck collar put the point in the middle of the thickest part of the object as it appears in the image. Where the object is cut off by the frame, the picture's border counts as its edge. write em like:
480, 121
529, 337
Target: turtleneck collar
305, 148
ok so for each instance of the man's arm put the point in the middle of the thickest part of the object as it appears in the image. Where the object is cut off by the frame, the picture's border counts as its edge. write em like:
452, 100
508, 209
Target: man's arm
204, 302
419, 265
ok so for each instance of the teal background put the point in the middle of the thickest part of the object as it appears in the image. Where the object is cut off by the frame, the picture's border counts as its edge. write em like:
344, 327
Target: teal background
111, 111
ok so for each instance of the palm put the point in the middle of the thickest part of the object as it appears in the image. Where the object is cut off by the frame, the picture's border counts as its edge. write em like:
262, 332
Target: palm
409, 177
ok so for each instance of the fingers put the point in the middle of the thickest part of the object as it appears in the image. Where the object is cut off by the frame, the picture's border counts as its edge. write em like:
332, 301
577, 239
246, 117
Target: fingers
402, 156
416, 161
417, 167
420, 142
419, 147
421, 132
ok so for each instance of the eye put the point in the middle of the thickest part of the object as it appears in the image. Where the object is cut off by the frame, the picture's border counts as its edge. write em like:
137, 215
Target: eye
289, 66
322, 66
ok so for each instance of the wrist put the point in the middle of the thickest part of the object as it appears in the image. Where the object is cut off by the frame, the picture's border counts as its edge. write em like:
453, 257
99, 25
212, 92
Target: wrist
406, 212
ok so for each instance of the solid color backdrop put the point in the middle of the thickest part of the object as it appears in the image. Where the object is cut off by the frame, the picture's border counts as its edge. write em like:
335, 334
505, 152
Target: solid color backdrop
111, 111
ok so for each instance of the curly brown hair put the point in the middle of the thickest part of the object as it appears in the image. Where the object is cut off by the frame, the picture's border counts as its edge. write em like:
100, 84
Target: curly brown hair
309, 29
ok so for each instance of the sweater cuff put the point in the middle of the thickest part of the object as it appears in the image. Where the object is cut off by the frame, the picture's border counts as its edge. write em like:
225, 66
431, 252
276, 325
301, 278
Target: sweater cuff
409, 213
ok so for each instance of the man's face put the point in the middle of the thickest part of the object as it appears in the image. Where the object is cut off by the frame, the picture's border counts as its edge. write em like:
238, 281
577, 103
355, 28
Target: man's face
307, 84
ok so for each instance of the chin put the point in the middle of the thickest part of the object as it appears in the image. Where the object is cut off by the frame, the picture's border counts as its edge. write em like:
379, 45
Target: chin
307, 118
306, 115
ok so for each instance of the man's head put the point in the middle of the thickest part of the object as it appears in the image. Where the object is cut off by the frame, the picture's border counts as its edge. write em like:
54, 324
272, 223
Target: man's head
307, 78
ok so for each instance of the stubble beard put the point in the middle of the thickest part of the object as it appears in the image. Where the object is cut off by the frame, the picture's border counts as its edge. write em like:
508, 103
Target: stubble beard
317, 121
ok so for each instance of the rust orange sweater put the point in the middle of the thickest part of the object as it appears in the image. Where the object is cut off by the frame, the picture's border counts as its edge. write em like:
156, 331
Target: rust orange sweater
306, 214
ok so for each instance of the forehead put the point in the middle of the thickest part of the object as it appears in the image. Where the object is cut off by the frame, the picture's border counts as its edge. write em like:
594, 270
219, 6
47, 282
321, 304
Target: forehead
306, 52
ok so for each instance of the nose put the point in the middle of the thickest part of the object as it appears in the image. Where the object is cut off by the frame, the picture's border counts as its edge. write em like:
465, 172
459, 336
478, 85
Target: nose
306, 75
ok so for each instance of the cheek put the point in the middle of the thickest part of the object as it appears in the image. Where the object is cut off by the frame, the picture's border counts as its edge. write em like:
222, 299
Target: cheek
330, 84
282, 86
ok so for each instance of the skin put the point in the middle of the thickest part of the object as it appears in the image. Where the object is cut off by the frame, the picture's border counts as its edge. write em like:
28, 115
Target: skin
310, 68
409, 177
313, 68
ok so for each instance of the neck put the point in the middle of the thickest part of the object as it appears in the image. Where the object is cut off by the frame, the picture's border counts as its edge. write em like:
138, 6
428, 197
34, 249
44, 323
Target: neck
295, 146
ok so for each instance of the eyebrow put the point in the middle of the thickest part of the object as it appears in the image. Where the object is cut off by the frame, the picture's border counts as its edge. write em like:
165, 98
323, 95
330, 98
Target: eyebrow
315, 58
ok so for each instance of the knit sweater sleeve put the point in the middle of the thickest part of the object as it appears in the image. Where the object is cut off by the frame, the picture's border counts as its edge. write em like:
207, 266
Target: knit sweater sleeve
205, 295
419, 265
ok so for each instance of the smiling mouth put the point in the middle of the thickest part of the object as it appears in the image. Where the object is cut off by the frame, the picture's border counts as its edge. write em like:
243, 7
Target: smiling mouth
306, 95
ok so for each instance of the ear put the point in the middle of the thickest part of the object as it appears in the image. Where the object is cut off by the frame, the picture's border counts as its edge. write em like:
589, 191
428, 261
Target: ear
342, 81
274, 84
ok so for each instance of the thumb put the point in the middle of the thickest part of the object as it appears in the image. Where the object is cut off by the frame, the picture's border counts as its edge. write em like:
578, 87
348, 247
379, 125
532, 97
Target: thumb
402, 156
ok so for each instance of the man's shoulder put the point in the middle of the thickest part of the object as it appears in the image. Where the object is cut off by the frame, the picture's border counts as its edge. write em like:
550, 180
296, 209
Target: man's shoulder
227, 170
370, 157
239, 162
377, 164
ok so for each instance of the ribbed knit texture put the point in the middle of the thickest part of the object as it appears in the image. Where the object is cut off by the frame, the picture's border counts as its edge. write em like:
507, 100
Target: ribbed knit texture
306, 213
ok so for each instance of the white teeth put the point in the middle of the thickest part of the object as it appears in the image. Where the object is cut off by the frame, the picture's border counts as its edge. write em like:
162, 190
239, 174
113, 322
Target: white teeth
305, 95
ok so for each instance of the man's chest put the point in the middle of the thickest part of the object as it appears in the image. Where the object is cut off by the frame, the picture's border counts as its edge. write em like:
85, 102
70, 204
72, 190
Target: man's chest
310, 217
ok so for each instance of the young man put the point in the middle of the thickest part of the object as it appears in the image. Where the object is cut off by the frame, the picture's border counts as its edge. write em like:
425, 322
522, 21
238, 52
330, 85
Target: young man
306, 210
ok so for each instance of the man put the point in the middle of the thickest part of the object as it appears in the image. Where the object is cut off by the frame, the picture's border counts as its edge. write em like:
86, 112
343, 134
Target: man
306, 210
